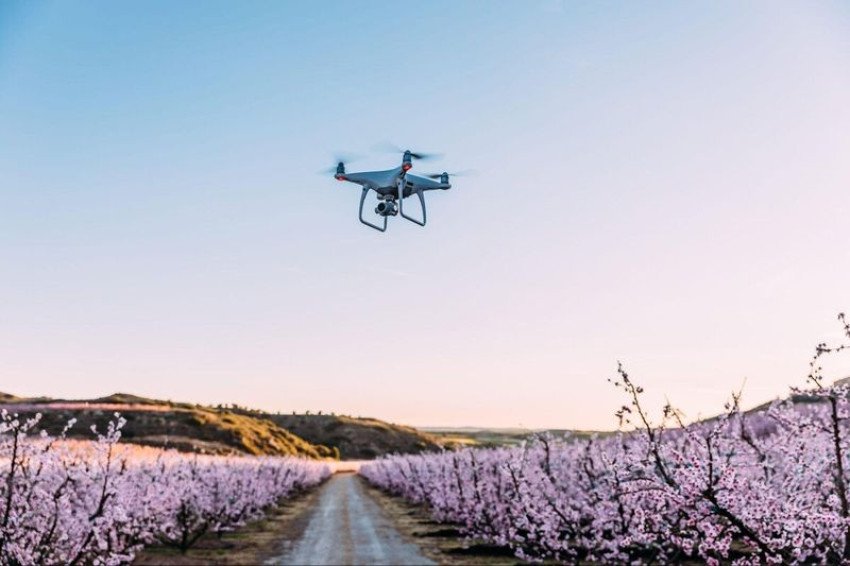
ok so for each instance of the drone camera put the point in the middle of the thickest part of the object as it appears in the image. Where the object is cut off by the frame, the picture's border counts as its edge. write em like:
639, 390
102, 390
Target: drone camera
386, 208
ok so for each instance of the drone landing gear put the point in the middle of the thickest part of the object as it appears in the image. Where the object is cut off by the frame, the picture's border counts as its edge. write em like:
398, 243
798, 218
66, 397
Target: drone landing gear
366, 222
388, 208
414, 220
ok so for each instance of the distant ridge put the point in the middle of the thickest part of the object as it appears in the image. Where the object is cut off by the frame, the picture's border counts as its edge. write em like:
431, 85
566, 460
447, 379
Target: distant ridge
358, 438
126, 398
225, 429
232, 429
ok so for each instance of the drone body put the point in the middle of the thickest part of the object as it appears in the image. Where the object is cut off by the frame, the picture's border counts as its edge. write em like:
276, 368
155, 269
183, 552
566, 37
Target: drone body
392, 187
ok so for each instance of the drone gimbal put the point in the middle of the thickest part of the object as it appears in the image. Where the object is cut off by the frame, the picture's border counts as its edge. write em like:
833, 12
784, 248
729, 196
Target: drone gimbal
391, 205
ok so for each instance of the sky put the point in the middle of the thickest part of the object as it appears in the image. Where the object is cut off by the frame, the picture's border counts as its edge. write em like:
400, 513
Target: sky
662, 184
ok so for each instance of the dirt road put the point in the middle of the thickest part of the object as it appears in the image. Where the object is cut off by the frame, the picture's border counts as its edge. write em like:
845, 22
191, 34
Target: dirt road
346, 526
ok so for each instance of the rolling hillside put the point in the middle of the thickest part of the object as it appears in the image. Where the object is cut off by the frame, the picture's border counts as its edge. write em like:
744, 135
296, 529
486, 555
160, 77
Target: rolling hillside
225, 430
358, 438
185, 427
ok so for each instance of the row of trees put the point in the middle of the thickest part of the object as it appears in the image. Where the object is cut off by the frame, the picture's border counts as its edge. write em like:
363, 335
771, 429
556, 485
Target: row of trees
99, 502
764, 487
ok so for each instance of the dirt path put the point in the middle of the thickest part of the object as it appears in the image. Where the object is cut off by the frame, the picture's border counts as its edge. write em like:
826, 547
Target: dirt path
346, 526
345, 521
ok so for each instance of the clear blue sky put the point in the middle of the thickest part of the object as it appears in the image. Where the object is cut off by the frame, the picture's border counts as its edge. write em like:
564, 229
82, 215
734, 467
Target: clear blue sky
661, 183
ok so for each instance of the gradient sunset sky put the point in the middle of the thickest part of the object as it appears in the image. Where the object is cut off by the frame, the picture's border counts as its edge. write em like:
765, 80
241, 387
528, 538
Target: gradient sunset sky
665, 184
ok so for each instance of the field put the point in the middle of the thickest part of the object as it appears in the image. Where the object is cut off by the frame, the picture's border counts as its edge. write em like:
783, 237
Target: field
100, 502
757, 486
461, 437
769, 485
764, 486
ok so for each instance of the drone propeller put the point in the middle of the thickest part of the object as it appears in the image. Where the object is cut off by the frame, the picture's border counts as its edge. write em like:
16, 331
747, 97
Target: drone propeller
341, 159
464, 173
387, 147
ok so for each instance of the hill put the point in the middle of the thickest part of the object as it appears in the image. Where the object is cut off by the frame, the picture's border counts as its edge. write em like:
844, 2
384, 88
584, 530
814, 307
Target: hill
182, 426
358, 438
225, 430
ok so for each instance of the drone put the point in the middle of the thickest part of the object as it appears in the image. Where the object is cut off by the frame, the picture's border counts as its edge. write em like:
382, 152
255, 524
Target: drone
393, 186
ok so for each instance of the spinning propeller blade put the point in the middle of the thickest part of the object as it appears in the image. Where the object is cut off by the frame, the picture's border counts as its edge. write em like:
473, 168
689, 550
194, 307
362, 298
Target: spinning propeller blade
343, 158
387, 147
464, 173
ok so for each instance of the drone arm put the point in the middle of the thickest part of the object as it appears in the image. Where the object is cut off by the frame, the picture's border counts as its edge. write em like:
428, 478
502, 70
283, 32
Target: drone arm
421, 201
366, 222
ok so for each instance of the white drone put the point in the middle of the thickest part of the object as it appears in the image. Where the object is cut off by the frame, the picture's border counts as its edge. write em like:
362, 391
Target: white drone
393, 186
